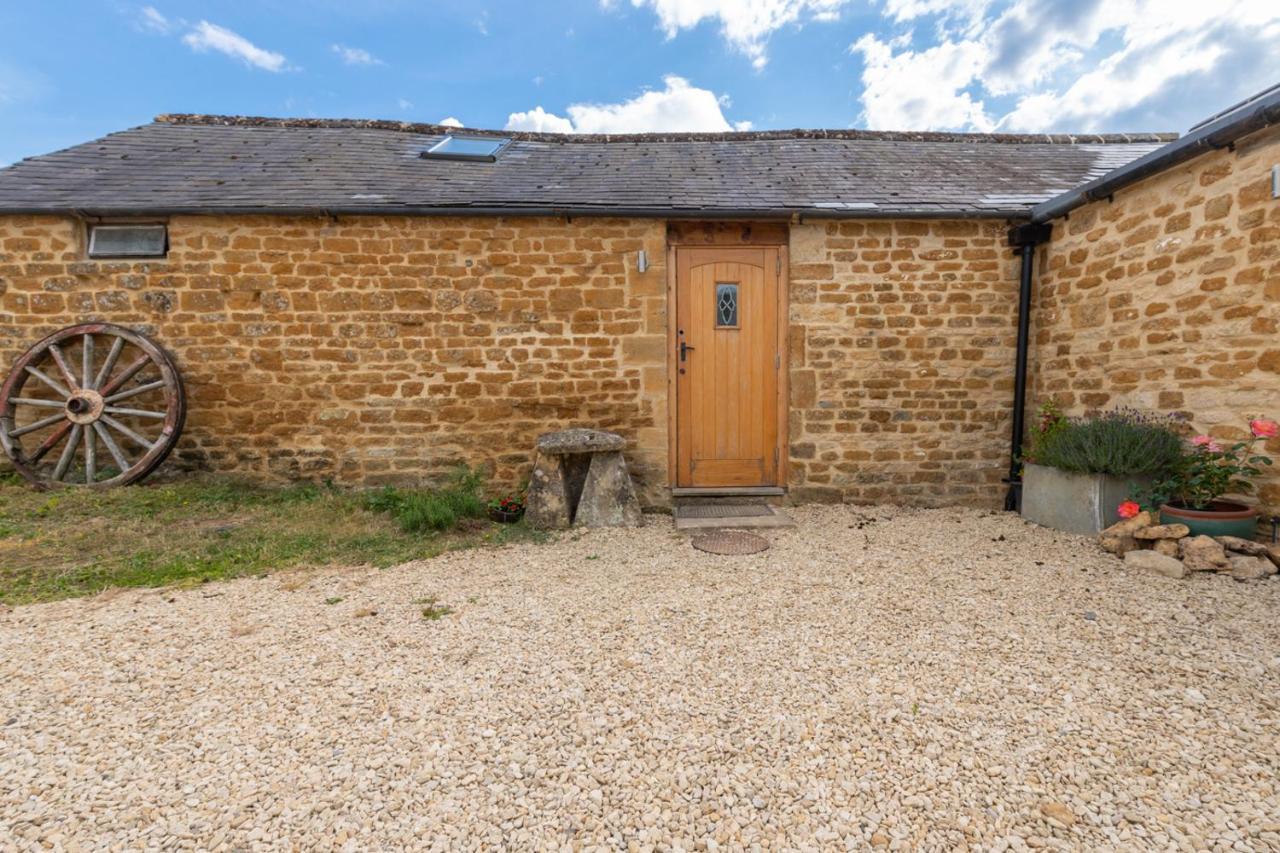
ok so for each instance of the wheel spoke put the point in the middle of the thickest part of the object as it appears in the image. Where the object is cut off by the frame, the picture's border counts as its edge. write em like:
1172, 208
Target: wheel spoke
137, 413
125, 375
65, 369
112, 447
48, 380
86, 362
141, 389
50, 442
68, 453
90, 458
37, 425
32, 401
139, 440
112, 355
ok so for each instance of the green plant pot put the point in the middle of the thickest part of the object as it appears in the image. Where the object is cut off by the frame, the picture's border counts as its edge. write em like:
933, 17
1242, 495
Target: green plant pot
1222, 518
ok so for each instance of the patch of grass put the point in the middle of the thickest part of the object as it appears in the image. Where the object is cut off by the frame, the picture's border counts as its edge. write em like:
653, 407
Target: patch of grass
334, 599
432, 609
417, 511
75, 542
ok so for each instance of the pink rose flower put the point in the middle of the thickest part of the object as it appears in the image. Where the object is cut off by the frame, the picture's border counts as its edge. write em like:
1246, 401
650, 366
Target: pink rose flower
1128, 509
1264, 428
1207, 442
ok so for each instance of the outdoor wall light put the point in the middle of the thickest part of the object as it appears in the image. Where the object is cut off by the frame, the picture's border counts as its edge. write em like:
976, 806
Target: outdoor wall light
642, 261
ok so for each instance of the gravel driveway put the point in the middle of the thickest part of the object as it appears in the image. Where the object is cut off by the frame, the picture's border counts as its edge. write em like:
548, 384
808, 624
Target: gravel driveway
916, 679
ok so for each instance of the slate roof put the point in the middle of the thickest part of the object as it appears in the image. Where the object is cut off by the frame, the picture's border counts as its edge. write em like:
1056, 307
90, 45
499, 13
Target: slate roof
197, 164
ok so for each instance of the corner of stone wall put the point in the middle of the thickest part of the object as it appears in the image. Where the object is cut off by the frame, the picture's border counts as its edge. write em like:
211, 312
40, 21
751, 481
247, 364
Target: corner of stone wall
1167, 298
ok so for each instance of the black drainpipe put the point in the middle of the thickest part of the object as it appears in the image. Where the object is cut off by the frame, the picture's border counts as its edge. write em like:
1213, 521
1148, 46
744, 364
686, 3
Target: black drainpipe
1025, 238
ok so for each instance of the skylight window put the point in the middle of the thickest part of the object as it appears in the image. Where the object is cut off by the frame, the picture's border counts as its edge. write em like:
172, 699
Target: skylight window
481, 148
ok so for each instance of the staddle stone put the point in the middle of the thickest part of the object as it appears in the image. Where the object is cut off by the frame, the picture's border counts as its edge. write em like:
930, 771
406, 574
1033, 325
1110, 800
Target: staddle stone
579, 440
548, 504
580, 477
608, 499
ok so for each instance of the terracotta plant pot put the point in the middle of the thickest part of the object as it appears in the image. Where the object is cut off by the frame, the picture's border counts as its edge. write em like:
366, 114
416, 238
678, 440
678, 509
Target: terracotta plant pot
503, 517
1221, 518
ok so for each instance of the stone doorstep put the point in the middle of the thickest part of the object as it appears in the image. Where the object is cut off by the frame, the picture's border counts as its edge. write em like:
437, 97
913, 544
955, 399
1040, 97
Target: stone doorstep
701, 517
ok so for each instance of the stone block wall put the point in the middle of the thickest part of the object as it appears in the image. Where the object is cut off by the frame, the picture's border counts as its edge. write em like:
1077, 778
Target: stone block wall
371, 350
390, 349
902, 348
1167, 298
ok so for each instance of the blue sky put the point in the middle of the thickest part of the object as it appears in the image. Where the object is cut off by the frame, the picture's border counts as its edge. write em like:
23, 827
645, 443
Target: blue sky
71, 70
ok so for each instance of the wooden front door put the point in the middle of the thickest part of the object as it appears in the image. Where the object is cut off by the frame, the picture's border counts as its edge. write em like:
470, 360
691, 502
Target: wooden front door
728, 364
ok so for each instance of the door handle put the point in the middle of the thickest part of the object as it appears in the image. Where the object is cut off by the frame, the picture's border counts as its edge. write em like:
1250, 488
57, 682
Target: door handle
684, 351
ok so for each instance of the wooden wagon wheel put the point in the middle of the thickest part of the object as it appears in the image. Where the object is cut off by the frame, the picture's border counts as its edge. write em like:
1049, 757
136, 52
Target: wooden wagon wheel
108, 400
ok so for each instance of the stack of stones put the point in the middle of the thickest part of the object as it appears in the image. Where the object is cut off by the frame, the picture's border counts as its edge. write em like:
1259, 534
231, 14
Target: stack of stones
1171, 550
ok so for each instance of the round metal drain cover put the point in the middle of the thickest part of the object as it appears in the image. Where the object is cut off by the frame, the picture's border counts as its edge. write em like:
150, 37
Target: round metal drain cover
730, 542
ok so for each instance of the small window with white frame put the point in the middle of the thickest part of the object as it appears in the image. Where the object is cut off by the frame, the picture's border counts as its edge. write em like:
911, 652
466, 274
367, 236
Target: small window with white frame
128, 240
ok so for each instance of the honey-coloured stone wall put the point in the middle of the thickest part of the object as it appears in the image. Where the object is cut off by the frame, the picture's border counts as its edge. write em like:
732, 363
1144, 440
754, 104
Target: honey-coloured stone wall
375, 349
1167, 298
902, 350
391, 349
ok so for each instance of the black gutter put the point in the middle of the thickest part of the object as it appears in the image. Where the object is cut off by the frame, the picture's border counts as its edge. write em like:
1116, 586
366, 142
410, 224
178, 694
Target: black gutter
1263, 110
1026, 238
1008, 214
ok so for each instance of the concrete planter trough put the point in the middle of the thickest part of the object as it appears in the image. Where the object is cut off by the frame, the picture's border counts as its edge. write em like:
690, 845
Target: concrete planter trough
1074, 503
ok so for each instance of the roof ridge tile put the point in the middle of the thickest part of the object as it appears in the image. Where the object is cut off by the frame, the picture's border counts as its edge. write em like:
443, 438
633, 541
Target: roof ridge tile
726, 136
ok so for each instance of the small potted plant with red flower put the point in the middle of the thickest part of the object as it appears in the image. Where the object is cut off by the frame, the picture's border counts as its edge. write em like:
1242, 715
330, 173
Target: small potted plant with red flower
507, 509
1193, 491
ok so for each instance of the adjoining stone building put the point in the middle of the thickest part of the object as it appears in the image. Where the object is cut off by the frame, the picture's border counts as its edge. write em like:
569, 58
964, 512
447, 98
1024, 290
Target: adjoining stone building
829, 313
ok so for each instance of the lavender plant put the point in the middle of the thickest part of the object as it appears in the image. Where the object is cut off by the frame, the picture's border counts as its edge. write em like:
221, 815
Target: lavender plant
1122, 442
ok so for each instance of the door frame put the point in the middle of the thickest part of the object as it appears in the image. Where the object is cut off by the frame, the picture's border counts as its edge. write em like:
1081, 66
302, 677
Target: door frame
708, 235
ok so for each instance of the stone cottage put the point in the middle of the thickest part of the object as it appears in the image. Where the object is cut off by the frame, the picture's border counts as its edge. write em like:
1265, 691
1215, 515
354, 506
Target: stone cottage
833, 314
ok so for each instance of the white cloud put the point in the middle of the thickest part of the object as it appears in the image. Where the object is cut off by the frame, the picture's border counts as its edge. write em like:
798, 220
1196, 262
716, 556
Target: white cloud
538, 120
677, 107
1118, 84
404, 103
451, 122
745, 24
905, 88
1089, 65
356, 55
206, 37
952, 10
149, 18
